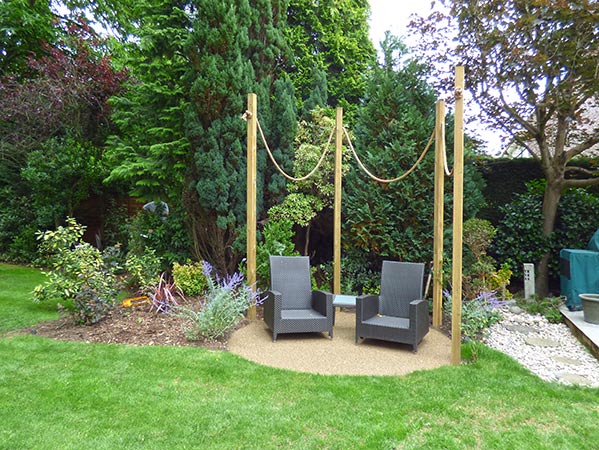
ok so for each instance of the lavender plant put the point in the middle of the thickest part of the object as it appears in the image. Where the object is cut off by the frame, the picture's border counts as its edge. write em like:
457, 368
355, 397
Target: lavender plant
478, 313
227, 299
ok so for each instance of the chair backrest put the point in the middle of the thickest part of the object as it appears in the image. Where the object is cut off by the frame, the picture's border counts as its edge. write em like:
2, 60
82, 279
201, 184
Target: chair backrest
290, 275
401, 283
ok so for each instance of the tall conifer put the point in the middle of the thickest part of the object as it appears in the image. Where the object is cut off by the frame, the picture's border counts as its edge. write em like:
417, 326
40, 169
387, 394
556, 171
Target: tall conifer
233, 49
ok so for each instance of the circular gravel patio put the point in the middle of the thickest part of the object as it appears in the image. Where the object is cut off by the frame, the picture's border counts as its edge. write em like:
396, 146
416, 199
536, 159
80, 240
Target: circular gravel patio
316, 353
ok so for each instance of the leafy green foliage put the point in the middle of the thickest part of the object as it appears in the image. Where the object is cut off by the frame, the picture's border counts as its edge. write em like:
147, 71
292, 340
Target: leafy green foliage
309, 201
393, 221
53, 119
61, 174
296, 208
547, 306
77, 276
143, 270
150, 151
190, 278
224, 306
480, 272
25, 25
520, 238
167, 237
180, 134
234, 49
277, 239
477, 313
332, 51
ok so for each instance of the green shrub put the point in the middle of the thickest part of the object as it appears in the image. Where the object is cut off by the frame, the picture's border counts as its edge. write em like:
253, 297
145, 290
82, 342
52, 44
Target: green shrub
166, 237
477, 313
77, 275
224, 306
143, 270
519, 238
480, 273
23, 248
277, 240
92, 304
117, 223
548, 307
356, 275
190, 278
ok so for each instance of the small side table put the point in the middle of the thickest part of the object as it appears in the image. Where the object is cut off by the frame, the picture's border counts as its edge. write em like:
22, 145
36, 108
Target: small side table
343, 301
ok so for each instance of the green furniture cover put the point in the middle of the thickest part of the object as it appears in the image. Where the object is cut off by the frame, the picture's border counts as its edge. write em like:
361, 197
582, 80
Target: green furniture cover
579, 272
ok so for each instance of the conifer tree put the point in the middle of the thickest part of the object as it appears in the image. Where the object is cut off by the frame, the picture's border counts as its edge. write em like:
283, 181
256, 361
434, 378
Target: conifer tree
150, 152
393, 127
233, 49
330, 37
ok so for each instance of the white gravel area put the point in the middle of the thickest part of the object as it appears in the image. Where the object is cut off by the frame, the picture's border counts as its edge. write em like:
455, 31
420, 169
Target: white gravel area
549, 350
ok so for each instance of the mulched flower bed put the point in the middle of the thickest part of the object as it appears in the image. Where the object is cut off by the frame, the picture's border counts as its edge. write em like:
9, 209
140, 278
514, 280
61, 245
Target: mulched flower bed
134, 326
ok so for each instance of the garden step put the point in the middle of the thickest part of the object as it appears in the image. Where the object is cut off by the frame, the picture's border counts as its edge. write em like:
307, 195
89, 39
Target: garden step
541, 342
570, 361
573, 378
521, 329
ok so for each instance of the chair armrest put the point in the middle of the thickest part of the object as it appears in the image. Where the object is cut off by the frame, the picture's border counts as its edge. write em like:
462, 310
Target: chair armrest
367, 306
323, 302
272, 307
419, 316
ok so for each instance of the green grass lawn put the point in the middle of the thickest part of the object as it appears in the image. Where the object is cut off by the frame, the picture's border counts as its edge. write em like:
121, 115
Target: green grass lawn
92, 396
16, 308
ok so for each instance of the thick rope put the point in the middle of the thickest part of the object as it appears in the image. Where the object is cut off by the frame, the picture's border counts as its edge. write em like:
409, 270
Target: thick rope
445, 164
289, 177
393, 180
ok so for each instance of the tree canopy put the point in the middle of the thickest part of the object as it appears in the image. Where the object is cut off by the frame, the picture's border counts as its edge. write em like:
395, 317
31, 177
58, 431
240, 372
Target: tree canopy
532, 67
330, 38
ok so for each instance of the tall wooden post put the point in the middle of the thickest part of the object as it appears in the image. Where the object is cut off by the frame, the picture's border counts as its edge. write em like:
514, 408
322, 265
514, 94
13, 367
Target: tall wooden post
458, 218
337, 211
438, 215
252, 118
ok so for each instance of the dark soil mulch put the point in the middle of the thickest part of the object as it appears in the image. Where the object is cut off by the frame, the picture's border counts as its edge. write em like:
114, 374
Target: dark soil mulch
134, 326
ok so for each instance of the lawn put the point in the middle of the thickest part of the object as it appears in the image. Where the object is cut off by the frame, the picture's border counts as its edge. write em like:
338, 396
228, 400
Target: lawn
16, 308
76, 395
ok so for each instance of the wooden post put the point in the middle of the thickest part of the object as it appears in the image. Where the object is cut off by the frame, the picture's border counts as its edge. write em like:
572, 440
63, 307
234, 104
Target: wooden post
252, 118
438, 215
458, 217
337, 211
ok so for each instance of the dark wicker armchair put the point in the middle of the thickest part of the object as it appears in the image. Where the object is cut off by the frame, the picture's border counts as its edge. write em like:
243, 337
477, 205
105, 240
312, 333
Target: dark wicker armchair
291, 306
398, 314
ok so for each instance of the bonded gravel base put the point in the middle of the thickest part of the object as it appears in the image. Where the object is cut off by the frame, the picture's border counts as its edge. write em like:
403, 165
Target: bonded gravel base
316, 353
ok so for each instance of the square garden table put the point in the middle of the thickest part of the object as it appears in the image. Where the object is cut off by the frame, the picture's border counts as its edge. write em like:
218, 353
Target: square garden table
343, 301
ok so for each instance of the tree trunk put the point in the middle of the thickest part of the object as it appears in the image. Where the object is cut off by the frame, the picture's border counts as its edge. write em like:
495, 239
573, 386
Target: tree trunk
553, 193
307, 241
210, 242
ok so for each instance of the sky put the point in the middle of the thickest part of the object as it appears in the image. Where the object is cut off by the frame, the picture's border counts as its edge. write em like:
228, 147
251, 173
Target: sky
394, 16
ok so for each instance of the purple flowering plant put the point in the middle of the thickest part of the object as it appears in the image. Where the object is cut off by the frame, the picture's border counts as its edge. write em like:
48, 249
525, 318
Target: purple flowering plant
227, 299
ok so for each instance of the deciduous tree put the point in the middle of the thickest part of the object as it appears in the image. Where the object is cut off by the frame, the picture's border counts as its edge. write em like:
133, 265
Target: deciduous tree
532, 67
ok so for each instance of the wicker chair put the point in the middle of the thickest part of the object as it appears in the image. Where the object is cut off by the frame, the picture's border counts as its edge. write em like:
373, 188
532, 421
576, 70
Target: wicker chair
399, 314
291, 306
